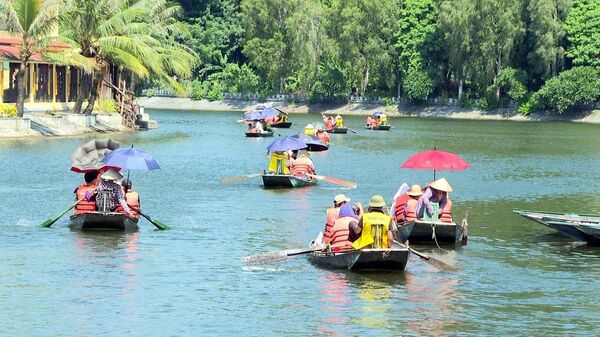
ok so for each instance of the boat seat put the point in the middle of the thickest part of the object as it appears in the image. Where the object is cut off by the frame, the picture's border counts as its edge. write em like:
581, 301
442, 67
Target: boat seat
435, 215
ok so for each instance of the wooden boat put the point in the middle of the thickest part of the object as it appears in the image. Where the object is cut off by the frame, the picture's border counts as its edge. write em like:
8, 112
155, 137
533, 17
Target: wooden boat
338, 130
284, 125
379, 127
579, 227
363, 259
286, 181
423, 231
100, 221
260, 134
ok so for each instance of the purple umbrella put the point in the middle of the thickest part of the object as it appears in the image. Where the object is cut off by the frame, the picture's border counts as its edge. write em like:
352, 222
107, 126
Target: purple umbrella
287, 143
130, 159
252, 116
270, 112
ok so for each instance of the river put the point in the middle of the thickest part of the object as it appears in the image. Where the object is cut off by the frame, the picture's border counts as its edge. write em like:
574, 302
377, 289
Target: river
514, 277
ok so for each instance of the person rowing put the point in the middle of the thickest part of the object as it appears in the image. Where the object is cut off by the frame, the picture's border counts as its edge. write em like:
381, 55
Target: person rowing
435, 198
341, 232
332, 215
302, 166
109, 195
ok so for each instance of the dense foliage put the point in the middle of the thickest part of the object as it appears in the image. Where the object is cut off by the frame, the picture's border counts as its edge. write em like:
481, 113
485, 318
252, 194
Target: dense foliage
494, 52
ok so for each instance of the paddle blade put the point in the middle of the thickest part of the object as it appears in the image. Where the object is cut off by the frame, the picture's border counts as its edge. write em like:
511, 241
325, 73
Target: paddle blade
155, 222
439, 264
338, 181
238, 178
52, 220
266, 258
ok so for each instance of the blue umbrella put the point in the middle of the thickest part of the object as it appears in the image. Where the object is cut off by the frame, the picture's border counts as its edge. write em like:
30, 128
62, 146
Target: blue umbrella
287, 143
377, 114
252, 116
314, 143
269, 112
130, 159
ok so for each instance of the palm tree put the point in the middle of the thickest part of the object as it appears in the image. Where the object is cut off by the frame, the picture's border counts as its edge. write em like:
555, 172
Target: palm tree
134, 35
32, 21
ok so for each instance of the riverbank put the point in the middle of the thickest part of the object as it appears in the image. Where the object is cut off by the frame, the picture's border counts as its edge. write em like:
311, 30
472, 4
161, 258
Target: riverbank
43, 124
402, 110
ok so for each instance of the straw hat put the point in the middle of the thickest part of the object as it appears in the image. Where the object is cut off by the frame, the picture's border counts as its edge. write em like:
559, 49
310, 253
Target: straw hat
309, 126
441, 185
340, 198
415, 191
111, 174
303, 153
377, 201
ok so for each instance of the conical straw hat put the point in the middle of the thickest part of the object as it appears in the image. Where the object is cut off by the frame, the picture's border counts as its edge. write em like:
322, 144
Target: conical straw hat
441, 185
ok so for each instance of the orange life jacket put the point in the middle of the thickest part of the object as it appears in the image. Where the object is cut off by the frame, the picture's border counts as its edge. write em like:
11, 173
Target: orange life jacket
411, 210
301, 166
133, 199
324, 137
340, 239
329, 124
446, 213
85, 206
400, 204
332, 215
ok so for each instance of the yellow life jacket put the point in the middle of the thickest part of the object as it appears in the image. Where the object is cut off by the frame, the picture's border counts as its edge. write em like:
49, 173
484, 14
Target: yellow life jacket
339, 122
277, 164
374, 231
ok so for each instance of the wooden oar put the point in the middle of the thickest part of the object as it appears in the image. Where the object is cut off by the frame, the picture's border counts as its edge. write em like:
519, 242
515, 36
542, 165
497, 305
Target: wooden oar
280, 255
337, 181
55, 218
432, 261
238, 178
155, 222
352, 130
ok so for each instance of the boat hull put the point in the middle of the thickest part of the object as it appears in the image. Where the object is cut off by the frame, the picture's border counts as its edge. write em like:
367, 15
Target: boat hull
338, 130
423, 232
284, 125
285, 181
365, 259
99, 221
379, 127
579, 227
259, 134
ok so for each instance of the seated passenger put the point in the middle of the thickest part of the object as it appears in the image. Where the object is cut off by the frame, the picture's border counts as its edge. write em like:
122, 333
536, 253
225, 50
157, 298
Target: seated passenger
302, 166
375, 227
340, 233
332, 215
309, 129
279, 163
369, 122
436, 192
339, 121
323, 136
88, 186
131, 197
410, 209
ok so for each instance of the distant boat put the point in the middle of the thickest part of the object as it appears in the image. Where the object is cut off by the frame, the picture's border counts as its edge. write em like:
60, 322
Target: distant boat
282, 125
341, 130
378, 127
579, 227
260, 134
286, 181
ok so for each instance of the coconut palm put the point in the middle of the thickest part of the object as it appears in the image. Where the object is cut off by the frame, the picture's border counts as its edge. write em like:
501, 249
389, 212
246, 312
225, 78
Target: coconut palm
32, 21
134, 35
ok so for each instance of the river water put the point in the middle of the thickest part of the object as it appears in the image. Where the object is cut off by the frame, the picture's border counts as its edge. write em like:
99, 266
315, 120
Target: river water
513, 278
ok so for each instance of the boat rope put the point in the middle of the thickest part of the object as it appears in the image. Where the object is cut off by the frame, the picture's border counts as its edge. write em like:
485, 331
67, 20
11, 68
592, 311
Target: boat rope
433, 236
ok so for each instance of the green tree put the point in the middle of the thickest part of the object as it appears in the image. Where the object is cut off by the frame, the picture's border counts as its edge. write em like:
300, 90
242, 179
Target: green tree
456, 26
545, 37
497, 30
583, 33
32, 21
575, 87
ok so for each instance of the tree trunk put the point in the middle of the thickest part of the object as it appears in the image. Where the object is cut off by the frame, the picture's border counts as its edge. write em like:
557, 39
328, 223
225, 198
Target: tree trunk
96, 78
460, 88
366, 81
21, 89
82, 93
132, 84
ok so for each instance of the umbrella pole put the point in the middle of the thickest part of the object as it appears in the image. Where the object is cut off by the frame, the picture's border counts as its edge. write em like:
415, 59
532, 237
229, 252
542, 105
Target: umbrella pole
433, 175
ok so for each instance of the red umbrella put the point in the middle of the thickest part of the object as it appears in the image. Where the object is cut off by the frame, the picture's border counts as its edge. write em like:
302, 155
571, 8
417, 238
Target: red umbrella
435, 160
